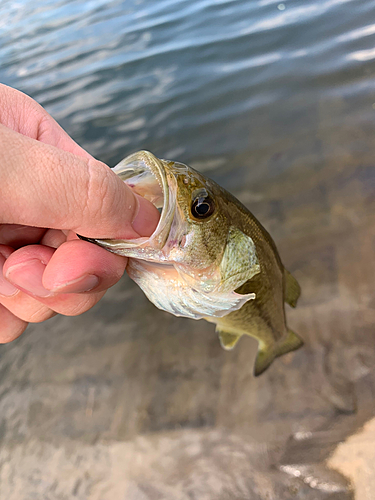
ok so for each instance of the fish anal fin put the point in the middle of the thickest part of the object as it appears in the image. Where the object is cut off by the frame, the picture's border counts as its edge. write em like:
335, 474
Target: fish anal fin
292, 289
267, 353
227, 339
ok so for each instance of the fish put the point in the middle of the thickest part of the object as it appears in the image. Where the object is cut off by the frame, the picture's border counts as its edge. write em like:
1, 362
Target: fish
208, 258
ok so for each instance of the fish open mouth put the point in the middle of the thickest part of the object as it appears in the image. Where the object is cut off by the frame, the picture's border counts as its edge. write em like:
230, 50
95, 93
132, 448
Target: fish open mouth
146, 176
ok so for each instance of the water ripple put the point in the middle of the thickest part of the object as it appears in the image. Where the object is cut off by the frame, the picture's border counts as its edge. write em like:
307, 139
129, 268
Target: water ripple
184, 75
362, 55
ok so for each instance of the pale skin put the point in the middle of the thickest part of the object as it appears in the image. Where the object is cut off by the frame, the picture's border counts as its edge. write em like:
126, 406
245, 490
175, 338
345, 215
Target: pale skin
51, 189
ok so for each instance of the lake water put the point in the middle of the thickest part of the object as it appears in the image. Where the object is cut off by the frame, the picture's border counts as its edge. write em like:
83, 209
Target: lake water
223, 83
276, 101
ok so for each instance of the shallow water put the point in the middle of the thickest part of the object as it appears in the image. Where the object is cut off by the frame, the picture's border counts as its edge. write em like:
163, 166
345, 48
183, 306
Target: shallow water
275, 101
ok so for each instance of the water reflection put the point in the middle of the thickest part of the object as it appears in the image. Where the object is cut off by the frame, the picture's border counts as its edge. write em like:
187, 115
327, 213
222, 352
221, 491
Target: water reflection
362, 55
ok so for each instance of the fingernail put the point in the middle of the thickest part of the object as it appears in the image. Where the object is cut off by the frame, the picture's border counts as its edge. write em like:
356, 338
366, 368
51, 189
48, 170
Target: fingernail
6, 288
28, 277
79, 285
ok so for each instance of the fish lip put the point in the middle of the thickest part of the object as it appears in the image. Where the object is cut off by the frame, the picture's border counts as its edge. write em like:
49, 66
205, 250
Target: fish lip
159, 237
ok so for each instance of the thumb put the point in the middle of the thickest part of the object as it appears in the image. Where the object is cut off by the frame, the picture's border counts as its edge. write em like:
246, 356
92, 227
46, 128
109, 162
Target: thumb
45, 186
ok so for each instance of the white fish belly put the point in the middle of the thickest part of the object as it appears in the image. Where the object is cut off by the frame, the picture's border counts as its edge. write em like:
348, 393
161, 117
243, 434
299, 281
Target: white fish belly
164, 287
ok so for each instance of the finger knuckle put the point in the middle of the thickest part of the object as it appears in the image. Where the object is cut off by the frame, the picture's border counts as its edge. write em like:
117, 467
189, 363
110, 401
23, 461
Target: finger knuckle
83, 304
10, 333
11, 326
99, 183
40, 314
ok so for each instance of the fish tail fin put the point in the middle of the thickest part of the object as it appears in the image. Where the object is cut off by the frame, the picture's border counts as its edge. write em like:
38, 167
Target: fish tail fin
291, 342
267, 353
227, 339
265, 356
292, 289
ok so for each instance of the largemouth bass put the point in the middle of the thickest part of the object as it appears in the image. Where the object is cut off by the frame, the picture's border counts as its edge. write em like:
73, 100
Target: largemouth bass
208, 258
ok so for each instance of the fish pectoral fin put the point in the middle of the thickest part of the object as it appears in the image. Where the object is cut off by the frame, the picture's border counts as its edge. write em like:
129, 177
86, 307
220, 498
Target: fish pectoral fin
240, 261
267, 353
227, 339
292, 289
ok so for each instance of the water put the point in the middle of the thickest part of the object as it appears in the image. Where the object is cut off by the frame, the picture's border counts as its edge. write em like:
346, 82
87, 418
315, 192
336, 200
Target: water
276, 101
197, 80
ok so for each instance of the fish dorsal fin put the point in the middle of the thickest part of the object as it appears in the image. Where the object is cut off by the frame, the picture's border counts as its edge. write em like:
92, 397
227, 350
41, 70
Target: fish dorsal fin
292, 289
240, 261
227, 339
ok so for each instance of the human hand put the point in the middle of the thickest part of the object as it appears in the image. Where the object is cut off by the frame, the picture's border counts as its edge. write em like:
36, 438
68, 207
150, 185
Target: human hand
52, 189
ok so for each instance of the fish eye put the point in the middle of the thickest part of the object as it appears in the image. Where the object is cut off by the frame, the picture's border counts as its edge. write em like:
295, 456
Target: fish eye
202, 206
